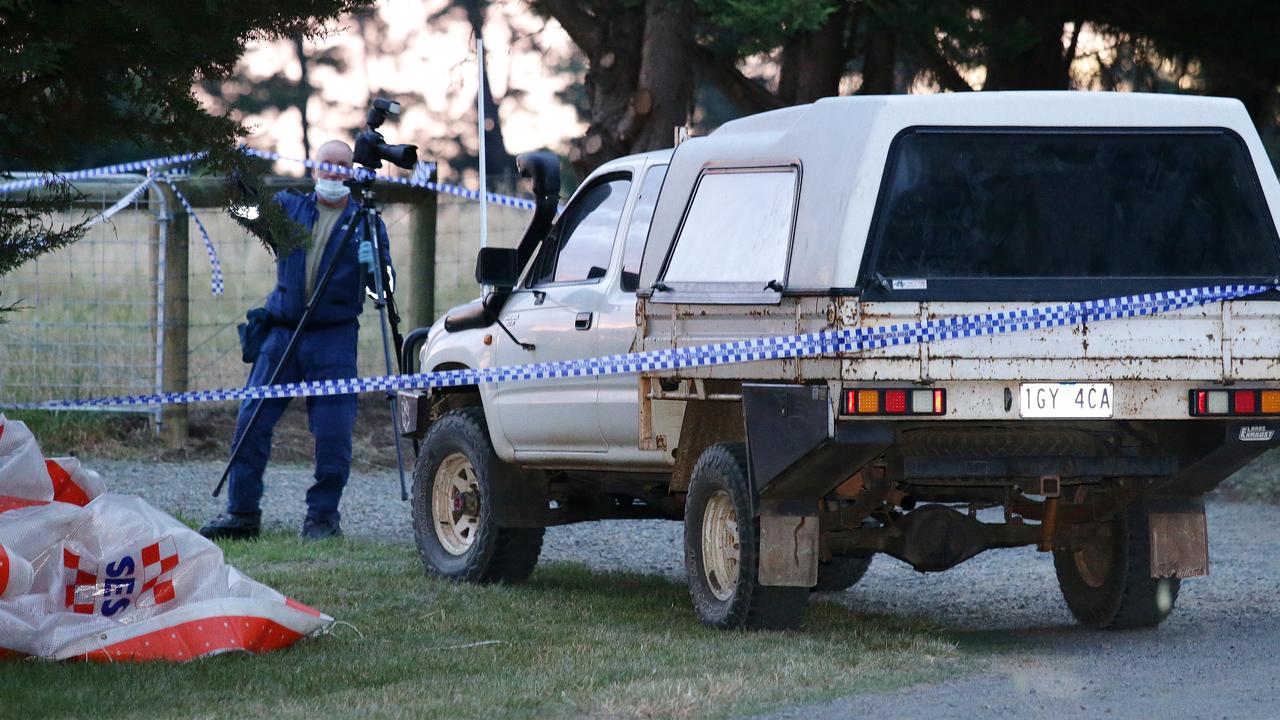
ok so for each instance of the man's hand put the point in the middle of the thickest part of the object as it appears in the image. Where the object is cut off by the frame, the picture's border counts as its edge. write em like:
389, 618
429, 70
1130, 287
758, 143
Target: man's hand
366, 257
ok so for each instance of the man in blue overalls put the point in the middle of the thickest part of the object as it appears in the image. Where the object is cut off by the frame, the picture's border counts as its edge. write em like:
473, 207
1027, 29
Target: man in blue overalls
326, 350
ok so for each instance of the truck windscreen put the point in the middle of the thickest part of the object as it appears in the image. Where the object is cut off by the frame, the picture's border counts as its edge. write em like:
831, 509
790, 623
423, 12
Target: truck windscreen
1072, 204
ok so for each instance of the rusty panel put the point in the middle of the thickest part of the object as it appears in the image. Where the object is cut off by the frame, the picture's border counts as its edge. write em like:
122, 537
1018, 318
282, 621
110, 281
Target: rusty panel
1193, 333
1035, 369
1254, 330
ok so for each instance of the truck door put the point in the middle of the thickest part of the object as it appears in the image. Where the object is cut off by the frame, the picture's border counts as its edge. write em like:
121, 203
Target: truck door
556, 311
618, 402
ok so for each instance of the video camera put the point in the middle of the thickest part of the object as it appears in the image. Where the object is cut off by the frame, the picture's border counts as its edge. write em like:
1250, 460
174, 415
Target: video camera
372, 148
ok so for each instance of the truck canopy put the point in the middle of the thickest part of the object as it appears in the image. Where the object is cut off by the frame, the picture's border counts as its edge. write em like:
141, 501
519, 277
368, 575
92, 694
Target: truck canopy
1048, 195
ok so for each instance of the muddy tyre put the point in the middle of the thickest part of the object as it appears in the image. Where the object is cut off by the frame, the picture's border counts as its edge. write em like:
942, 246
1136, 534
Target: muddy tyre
841, 573
452, 507
1109, 585
721, 550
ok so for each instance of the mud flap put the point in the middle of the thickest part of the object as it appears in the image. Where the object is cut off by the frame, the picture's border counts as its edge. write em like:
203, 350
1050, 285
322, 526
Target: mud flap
1179, 537
414, 413
788, 545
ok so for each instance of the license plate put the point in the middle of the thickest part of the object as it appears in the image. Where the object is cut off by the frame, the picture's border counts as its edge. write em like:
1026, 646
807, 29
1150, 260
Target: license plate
1066, 400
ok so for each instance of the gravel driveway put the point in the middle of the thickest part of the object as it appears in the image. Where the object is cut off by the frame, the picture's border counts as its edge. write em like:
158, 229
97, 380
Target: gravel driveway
1218, 655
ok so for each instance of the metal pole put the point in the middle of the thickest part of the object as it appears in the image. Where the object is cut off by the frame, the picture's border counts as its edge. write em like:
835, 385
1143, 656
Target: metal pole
160, 238
484, 188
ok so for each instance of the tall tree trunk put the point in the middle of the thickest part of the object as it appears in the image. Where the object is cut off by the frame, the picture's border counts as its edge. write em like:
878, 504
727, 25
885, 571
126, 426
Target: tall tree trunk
639, 79
304, 95
880, 58
661, 102
813, 62
613, 51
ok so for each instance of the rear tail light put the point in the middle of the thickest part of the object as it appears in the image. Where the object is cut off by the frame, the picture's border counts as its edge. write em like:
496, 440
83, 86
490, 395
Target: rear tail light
1271, 402
1234, 403
893, 401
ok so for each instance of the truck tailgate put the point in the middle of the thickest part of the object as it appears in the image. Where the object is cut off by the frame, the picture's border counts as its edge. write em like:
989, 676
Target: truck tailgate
1220, 342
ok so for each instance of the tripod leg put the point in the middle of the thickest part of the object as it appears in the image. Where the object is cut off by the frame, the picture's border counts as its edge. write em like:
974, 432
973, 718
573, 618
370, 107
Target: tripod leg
370, 229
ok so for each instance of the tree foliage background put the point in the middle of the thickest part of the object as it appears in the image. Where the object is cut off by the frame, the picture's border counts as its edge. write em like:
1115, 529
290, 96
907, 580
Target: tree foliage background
752, 55
82, 81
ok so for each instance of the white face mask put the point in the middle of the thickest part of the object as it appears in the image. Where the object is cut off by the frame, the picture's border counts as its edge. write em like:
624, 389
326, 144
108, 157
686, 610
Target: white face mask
331, 190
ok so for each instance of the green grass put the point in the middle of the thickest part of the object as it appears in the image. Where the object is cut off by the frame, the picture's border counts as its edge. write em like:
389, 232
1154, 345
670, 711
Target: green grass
570, 643
66, 432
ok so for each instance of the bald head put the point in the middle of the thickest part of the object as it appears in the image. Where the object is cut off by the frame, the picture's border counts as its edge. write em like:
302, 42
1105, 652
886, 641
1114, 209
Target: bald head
334, 152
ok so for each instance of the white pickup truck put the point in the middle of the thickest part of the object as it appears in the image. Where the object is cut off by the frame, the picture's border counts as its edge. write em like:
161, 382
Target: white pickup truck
1097, 439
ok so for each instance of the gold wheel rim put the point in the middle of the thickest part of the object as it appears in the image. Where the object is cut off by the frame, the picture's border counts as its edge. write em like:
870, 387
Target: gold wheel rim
720, 548
455, 504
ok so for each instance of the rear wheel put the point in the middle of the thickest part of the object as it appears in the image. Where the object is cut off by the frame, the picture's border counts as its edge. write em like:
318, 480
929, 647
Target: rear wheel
721, 549
841, 573
452, 506
1108, 584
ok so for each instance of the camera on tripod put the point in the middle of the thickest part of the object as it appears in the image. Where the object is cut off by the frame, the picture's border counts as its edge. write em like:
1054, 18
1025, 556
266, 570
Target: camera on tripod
372, 148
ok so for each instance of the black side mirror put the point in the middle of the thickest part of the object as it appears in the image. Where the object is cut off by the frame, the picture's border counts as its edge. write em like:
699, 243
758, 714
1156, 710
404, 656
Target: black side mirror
498, 267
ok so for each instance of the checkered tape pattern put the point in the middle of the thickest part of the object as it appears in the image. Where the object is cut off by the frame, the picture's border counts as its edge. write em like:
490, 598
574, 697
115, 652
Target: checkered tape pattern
740, 351
53, 178
215, 284
415, 181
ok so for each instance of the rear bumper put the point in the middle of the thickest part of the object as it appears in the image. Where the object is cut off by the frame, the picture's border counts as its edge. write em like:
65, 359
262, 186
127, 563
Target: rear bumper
800, 447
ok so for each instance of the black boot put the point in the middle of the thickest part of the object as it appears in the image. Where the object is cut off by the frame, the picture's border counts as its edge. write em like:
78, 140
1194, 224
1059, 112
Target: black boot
233, 526
320, 529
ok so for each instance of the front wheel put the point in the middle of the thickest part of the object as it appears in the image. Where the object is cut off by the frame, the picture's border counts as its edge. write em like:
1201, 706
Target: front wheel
721, 549
1108, 584
452, 506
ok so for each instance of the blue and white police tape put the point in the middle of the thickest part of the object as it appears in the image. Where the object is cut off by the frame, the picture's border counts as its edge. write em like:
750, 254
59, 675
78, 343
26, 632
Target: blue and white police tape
215, 273
727, 353
54, 178
416, 181
120, 204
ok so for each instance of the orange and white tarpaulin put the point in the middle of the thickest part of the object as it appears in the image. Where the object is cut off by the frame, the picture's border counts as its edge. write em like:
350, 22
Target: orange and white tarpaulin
92, 575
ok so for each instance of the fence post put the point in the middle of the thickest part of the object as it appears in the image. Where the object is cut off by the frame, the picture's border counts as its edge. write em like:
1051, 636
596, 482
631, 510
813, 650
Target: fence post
422, 276
170, 243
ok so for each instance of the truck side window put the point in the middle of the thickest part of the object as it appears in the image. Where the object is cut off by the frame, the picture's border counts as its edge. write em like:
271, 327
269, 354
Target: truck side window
638, 229
580, 246
738, 228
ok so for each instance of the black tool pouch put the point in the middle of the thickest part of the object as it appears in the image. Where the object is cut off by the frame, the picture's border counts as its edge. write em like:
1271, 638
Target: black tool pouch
252, 333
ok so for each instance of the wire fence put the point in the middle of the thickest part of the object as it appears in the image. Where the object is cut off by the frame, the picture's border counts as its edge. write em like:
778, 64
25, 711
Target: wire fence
89, 317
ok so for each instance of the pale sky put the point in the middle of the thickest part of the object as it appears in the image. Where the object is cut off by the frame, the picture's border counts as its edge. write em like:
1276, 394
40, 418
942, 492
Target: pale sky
439, 63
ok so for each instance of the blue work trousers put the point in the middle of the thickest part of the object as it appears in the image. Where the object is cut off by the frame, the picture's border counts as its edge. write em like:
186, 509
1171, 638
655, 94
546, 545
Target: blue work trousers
322, 354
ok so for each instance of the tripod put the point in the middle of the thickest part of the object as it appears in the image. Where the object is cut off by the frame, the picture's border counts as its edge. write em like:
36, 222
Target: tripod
363, 226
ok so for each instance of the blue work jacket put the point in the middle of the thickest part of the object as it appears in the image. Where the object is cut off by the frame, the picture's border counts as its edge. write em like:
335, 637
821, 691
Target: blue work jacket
343, 298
